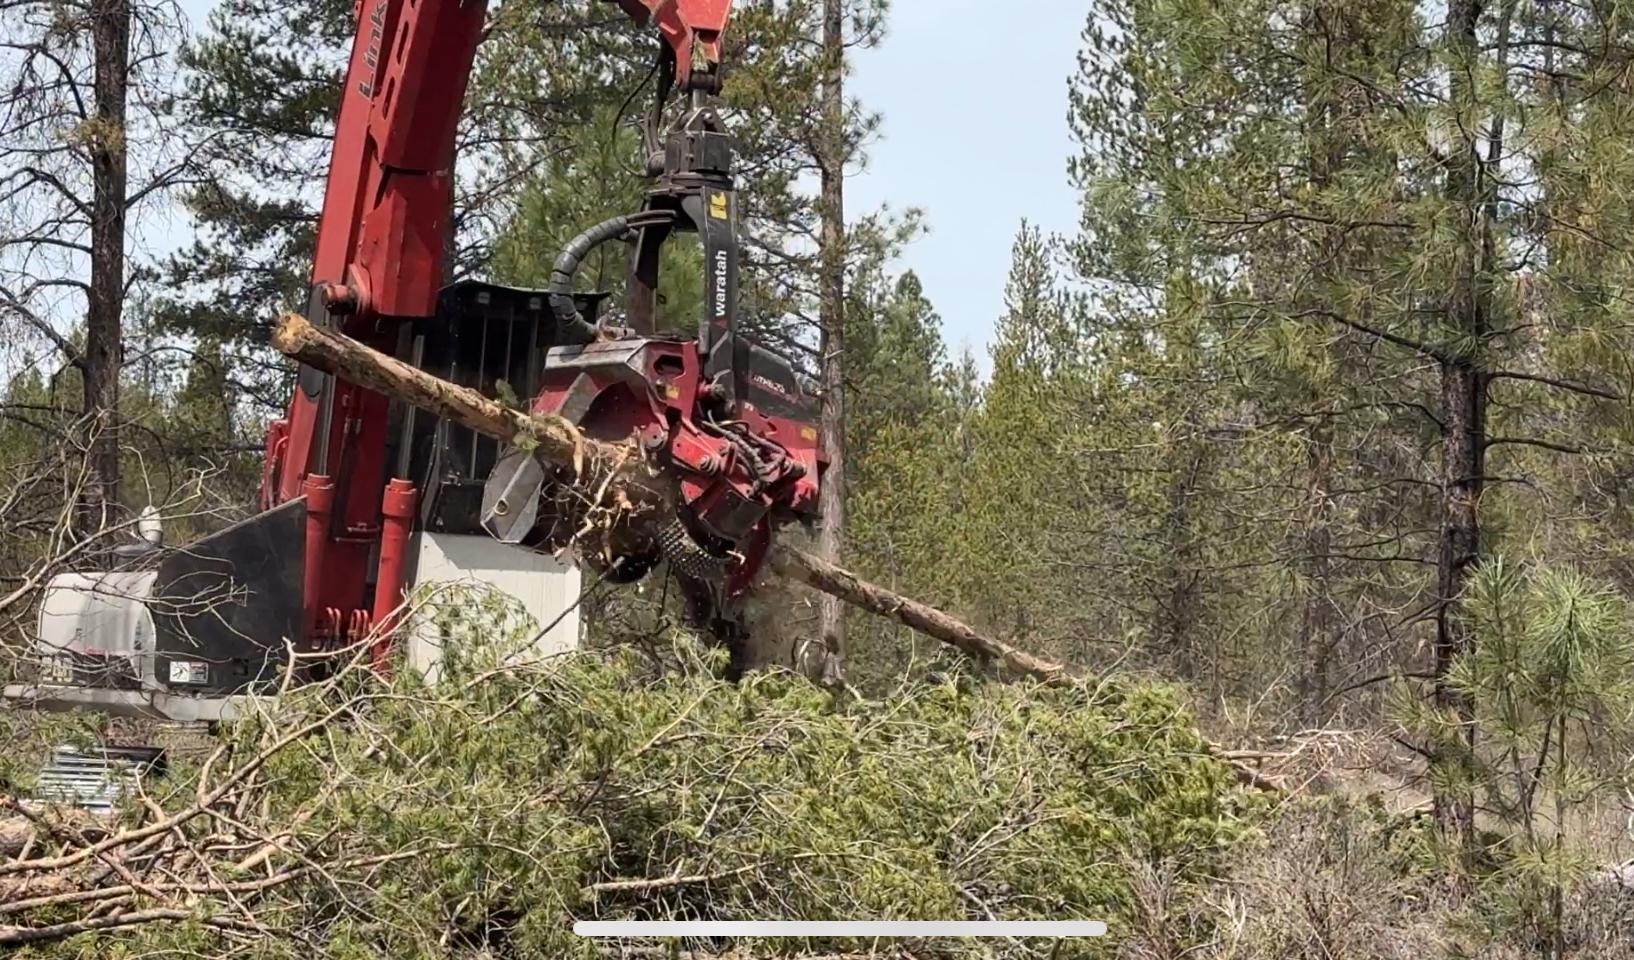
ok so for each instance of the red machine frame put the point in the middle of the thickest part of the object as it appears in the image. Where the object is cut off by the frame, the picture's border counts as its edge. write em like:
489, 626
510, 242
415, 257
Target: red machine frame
380, 260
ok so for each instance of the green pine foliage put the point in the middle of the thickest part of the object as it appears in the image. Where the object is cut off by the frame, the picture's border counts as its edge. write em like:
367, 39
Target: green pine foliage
264, 79
908, 437
1552, 678
1274, 210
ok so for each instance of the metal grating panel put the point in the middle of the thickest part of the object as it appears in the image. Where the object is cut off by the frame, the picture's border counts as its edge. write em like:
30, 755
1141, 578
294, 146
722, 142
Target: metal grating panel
96, 779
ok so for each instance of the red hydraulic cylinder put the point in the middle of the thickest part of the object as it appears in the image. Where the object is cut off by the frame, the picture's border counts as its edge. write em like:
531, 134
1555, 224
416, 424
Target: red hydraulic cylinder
397, 522
320, 503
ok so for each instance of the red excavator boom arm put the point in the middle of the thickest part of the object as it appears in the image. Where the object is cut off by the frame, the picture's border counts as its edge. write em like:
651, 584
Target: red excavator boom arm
381, 258
692, 28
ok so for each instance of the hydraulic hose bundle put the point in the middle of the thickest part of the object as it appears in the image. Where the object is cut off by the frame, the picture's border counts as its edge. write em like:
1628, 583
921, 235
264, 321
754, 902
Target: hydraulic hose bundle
560, 288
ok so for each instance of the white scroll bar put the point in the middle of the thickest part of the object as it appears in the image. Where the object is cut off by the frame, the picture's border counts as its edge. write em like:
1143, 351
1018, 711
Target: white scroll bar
840, 928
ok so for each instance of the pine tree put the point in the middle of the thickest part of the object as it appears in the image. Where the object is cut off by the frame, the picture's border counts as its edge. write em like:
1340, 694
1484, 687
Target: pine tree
1013, 502
906, 474
87, 120
1356, 193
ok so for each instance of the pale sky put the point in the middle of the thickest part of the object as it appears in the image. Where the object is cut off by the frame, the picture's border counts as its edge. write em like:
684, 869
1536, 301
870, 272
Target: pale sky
974, 98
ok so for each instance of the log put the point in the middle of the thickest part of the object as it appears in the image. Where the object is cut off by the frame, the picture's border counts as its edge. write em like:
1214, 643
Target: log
554, 439
825, 577
621, 474
625, 477
15, 835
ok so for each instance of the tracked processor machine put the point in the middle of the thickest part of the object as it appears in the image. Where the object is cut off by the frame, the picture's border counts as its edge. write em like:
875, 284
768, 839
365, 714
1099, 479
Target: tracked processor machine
363, 498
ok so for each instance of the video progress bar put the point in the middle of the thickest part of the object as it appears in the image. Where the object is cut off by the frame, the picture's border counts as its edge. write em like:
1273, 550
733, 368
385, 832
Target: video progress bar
840, 928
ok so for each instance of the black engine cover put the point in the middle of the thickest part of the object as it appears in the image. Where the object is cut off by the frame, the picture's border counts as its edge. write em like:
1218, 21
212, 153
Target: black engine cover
230, 601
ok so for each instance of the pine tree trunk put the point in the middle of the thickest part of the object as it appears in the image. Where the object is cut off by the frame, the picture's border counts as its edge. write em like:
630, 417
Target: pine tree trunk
831, 317
110, 26
1331, 126
1463, 440
1178, 604
1462, 468
1316, 626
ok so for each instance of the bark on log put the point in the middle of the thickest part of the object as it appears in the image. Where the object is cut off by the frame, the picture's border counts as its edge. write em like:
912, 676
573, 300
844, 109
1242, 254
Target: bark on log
15, 834
555, 440
623, 471
841, 584
621, 474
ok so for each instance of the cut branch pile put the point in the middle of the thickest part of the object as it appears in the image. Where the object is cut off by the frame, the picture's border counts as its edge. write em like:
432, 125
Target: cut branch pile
481, 816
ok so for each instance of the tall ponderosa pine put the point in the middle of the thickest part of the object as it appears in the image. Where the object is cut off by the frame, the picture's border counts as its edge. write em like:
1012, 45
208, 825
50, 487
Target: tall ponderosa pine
1012, 510
832, 155
86, 121
905, 426
1369, 195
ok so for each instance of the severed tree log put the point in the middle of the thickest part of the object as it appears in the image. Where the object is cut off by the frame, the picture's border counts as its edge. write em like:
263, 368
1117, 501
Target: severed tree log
621, 474
823, 576
15, 835
554, 440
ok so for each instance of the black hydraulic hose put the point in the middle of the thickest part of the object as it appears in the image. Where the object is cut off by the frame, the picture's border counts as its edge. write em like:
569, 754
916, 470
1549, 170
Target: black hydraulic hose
567, 264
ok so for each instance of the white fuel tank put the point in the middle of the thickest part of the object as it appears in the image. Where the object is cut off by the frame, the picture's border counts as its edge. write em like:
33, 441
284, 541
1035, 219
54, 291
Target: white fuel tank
97, 623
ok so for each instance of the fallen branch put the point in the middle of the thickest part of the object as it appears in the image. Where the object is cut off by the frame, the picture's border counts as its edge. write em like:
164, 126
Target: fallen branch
630, 479
59, 931
649, 884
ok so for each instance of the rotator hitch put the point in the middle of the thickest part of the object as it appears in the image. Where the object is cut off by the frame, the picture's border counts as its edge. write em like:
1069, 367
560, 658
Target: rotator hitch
735, 423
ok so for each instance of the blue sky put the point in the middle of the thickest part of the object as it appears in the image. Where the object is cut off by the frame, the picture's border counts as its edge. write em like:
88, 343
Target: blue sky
974, 97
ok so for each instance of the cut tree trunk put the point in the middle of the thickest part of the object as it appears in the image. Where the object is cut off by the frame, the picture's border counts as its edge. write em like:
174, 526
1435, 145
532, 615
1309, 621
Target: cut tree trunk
634, 493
